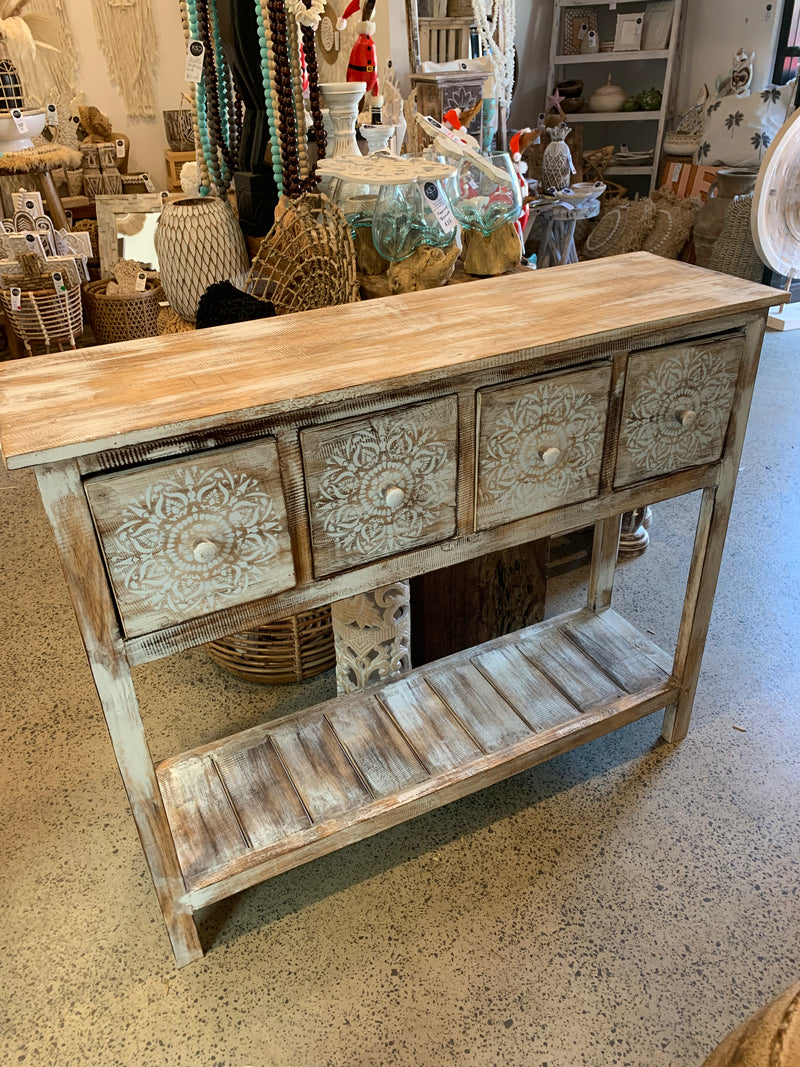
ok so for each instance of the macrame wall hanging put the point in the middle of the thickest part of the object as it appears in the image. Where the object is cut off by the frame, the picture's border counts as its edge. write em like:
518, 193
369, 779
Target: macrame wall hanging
48, 76
127, 35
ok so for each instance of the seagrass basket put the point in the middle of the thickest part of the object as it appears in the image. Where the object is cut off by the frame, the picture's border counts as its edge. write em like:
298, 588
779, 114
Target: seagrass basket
45, 319
290, 650
122, 318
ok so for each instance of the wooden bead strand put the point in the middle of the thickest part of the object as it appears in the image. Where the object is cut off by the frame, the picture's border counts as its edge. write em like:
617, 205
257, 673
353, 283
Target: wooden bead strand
283, 80
314, 100
270, 91
299, 104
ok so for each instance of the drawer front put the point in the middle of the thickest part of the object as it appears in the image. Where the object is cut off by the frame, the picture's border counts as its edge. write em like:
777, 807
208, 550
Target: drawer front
381, 484
193, 535
677, 407
540, 444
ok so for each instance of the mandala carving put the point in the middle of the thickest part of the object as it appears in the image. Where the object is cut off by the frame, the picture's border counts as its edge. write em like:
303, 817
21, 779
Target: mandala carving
563, 421
694, 382
382, 488
195, 540
372, 636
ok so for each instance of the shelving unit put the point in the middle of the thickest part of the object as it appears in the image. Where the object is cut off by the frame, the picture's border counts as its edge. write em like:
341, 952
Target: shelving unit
659, 65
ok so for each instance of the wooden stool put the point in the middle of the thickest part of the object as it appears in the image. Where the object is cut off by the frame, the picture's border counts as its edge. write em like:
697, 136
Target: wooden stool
557, 246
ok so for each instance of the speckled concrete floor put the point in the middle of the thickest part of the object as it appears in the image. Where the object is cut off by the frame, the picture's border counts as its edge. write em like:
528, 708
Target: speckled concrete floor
626, 903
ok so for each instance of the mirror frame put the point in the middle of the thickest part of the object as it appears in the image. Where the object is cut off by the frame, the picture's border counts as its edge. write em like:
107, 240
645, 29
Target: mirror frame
108, 207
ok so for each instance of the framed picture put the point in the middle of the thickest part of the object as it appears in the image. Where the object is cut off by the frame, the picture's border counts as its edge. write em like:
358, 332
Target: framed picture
657, 25
628, 37
576, 22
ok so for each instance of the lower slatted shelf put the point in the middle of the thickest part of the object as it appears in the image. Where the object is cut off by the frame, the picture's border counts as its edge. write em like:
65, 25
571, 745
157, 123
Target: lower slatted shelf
273, 797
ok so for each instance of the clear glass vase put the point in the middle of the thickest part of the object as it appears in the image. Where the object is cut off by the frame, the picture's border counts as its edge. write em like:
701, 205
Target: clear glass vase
405, 218
485, 199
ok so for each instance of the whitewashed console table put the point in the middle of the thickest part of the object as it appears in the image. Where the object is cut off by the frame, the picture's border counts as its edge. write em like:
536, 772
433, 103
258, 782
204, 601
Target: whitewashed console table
203, 483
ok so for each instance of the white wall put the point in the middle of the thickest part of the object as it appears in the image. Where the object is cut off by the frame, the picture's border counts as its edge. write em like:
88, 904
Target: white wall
148, 141
714, 31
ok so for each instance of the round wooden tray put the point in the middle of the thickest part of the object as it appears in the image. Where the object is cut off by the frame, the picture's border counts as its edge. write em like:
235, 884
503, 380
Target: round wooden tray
775, 217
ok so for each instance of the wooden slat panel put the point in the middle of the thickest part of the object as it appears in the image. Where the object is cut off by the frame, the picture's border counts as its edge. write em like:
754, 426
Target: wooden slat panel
265, 801
203, 824
614, 652
377, 748
569, 670
489, 718
525, 688
430, 730
325, 778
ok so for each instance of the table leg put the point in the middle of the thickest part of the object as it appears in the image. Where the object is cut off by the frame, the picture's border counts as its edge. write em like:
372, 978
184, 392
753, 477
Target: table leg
54, 205
68, 512
568, 253
372, 636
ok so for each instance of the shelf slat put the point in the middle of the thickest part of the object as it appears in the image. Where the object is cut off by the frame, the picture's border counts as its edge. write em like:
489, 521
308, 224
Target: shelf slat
609, 57
288, 791
613, 116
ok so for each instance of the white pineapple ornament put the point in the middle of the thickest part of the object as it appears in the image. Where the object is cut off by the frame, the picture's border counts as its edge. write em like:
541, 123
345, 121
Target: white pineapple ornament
557, 166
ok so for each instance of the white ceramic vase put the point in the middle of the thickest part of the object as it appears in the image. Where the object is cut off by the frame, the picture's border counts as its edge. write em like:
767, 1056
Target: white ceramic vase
342, 100
198, 242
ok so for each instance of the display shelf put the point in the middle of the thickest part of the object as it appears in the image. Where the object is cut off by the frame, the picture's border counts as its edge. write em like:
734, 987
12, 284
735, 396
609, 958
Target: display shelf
609, 57
260, 799
630, 170
615, 116
655, 67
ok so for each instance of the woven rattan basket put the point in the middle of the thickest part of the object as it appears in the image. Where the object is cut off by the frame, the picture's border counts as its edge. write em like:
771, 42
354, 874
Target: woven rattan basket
122, 318
282, 652
46, 319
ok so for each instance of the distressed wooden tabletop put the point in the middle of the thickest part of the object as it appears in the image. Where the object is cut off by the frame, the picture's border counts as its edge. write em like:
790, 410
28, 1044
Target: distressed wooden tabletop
74, 403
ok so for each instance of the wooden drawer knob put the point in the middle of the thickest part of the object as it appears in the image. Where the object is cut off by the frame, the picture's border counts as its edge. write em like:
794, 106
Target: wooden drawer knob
394, 496
204, 551
687, 418
550, 456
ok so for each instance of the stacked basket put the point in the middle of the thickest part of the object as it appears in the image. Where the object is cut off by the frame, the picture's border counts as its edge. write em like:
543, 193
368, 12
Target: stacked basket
122, 318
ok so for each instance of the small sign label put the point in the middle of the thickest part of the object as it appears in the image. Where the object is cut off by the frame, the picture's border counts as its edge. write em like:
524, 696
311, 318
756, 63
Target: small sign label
58, 281
148, 183
16, 298
52, 115
141, 282
120, 148
68, 213
439, 207
164, 197
194, 60
19, 120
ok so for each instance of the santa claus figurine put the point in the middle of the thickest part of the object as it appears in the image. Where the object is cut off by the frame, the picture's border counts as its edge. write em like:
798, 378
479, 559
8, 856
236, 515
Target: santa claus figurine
363, 63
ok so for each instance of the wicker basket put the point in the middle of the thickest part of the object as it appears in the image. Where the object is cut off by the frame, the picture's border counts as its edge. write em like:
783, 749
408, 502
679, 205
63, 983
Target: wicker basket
178, 128
282, 652
46, 319
122, 318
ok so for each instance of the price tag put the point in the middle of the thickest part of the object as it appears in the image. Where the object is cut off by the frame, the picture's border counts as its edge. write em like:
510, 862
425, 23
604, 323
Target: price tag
58, 281
16, 298
68, 213
194, 60
141, 282
164, 197
439, 207
120, 148
148, 183
19, 120
52, 115
583, 31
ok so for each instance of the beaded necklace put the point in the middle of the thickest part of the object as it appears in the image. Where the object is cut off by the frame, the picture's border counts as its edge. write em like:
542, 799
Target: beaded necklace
217, 110
497, 41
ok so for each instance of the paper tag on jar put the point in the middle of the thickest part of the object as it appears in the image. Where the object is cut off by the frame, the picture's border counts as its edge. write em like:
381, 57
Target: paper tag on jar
141, 282
120, 148
52, 115
194, 60
19, 120
16, 298
439, 206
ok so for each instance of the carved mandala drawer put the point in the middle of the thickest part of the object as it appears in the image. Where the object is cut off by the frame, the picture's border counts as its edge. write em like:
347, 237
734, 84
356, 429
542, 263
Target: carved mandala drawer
677, 407
193, 535
540, 444
381, 484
